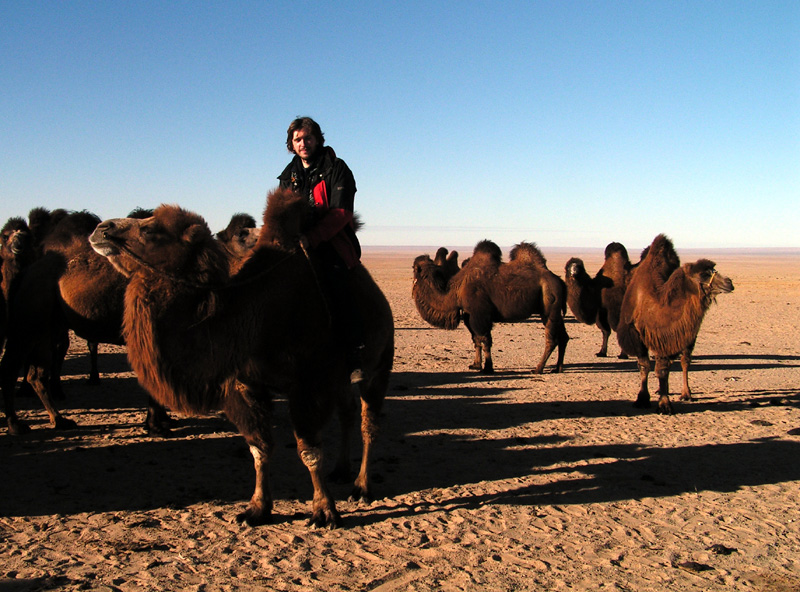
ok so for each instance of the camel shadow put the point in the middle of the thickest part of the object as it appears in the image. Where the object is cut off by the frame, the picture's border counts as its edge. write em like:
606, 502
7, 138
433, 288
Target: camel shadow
423, 445
699, 363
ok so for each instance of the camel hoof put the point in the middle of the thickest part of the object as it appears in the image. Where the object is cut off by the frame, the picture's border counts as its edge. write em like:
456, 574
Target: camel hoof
360, 494
62, 423
489, 370
601, 354
475, 367
622, 357
18, 428
253, 518
325, 519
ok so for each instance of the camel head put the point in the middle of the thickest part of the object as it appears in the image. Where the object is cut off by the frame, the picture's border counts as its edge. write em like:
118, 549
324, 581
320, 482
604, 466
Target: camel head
574, 268
711, 282
172, 242
240, 236
15, 238
423, 267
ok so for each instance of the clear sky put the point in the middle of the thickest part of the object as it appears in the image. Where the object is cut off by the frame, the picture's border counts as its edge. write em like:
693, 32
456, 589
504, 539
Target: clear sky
565, 123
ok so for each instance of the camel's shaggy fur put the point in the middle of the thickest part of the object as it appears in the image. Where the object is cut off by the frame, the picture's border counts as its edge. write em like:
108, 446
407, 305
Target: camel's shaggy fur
486, 291
201, 340
661, 314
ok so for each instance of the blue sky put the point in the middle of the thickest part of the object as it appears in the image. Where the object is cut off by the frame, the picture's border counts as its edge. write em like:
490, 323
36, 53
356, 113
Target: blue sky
565, 123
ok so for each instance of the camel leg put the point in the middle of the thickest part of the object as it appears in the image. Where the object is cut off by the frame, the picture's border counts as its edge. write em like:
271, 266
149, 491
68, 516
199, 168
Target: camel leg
157, 421
309, 407
686, 359
605, 330
662, 373
643, 398
346, 411
486, 346
39, 377
372, 397
94, 371
563, 339
9, 372
477, 361
251, 413
550, 342
323, 508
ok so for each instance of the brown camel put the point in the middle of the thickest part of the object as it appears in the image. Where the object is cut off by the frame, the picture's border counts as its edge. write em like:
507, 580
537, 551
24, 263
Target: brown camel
16, 253
68, 287
597, 300
486, 291
238, 238
661, 314
200, 340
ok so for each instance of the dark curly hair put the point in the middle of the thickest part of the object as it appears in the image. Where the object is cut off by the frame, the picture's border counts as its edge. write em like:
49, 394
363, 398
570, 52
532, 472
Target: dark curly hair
307, 124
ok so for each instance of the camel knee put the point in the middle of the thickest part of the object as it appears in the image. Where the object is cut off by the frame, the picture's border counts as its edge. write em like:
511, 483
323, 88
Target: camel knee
312, 458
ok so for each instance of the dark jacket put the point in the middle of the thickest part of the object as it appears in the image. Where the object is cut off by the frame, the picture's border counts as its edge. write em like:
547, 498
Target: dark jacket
330, 188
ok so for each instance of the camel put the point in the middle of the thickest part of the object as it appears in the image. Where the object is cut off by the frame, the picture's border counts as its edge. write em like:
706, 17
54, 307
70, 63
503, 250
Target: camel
68, 287
16, 253
661, 314
597, 300
200, 339
239, 237
486, 290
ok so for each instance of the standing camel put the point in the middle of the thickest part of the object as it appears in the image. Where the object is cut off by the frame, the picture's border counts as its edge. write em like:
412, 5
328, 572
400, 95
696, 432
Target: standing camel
597, 300
486, 291
200, 340
661, 314
16, 253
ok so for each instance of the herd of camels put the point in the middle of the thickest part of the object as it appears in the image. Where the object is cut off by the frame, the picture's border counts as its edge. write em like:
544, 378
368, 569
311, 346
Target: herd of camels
221, 322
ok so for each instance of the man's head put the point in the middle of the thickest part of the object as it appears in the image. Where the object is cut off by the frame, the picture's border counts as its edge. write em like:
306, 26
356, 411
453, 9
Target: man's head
304, 137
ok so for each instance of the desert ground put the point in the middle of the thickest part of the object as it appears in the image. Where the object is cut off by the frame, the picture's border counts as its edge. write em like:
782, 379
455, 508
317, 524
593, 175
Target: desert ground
511, 481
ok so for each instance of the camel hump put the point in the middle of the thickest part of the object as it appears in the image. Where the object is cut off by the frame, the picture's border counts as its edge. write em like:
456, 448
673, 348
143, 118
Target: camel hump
488, 249
74, 225
528, 253
616, 249
284, 218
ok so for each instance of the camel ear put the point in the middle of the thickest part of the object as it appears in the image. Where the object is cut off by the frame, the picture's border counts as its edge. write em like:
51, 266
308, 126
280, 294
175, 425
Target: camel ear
196, 233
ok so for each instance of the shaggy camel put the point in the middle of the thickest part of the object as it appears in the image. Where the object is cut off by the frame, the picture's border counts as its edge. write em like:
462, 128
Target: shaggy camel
661, 314
199, 340
486, 291
597, 300
238, 238
16, 253
68, 287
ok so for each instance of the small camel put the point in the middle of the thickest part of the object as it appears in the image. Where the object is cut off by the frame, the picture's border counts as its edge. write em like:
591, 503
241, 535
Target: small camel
597, 300
486, 290
201, 340
661, 314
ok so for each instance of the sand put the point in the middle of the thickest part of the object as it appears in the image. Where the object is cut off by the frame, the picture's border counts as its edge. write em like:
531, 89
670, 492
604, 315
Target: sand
513, 481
